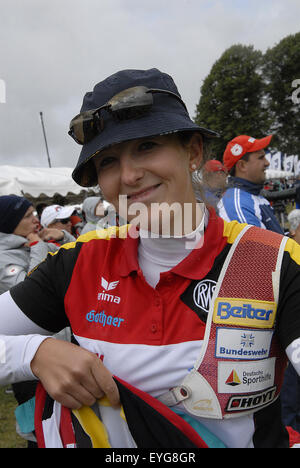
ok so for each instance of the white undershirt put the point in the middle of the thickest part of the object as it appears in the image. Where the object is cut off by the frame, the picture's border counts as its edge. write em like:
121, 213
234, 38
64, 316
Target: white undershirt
156, 255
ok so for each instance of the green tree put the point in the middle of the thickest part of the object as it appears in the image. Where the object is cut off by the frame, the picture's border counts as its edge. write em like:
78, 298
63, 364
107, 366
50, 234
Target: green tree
282, 69
232, 97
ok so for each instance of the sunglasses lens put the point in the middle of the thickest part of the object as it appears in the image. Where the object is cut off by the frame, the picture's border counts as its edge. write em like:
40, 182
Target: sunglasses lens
84, 127
130, 113
130, 103
65, 220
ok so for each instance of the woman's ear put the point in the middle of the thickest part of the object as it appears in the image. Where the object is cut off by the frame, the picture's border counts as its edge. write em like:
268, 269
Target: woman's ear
195, 151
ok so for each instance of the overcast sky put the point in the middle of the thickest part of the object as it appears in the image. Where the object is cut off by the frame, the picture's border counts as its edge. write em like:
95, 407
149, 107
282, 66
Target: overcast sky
52, 52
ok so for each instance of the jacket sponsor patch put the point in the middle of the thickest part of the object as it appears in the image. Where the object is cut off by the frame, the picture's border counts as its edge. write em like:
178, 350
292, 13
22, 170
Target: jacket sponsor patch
250, 402
103, 319
244, 312
198, 297
243, 344
246, 377
104, 295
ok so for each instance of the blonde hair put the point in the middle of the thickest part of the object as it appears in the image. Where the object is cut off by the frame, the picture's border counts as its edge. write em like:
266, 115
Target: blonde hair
184, 138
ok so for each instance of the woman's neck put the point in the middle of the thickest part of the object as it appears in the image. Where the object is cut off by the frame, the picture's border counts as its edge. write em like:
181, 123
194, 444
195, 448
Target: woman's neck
159, 254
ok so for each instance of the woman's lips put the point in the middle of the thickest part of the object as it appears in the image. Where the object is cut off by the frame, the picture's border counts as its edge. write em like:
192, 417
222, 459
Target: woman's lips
142, 194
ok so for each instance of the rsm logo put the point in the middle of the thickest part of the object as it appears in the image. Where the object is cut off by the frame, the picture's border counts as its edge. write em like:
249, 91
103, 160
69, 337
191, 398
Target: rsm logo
2, 92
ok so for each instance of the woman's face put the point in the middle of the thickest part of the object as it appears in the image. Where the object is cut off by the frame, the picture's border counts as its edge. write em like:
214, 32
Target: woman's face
145, 173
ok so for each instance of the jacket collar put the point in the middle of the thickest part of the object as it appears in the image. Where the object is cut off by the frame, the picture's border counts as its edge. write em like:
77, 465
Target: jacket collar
246, 185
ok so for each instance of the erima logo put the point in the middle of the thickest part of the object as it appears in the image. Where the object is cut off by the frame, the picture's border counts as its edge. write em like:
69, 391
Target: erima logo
256, 314
108, 286
105, 296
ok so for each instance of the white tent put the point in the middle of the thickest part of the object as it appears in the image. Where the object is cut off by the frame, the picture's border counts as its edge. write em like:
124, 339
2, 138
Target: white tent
37, 180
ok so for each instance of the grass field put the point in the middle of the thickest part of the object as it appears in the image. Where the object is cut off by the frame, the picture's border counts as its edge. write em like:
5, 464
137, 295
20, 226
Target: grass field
8, 436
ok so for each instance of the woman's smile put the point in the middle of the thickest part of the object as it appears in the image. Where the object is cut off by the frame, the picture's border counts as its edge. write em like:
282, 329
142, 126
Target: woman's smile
143, 195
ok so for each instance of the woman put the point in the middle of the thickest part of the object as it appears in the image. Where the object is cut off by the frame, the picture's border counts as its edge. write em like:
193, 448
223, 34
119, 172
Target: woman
155, 306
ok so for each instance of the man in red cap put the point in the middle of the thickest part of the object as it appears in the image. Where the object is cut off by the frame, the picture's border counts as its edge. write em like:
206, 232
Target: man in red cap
214, 176
245, 160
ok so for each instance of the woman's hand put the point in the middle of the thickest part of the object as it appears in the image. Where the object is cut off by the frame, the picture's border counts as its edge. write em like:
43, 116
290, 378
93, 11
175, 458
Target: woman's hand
72, 375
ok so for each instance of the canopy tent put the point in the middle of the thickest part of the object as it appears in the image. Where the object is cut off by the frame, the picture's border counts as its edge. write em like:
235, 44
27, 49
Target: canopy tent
41, 183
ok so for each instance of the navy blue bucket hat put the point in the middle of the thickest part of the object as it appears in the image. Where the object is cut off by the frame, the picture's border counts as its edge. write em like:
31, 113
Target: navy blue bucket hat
167, 114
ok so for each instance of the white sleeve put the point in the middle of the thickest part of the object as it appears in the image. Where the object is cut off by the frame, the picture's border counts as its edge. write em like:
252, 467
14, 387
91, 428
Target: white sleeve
293, 353
20, 338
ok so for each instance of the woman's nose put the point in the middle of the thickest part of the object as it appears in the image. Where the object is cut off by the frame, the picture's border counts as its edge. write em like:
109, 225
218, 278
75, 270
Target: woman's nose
130, 171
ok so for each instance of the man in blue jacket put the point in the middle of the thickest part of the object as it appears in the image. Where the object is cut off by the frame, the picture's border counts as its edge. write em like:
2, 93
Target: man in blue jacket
245, 160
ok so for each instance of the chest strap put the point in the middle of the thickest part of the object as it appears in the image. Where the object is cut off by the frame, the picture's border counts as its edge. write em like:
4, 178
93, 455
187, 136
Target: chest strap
230, 378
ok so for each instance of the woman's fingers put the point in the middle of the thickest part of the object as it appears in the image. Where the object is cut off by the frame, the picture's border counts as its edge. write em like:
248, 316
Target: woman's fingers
81, 397
96, 383
106, 382
72, 375
70, 402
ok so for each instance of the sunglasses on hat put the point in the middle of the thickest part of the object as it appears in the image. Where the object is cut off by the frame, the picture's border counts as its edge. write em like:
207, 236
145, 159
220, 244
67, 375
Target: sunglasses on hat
128, 104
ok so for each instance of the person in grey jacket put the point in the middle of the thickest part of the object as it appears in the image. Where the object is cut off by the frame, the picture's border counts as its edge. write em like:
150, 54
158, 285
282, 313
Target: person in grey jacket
22, 245
97, 216
93, 209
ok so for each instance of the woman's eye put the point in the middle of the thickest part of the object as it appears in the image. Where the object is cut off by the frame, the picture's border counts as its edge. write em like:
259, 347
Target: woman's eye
147, 145
105, 161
